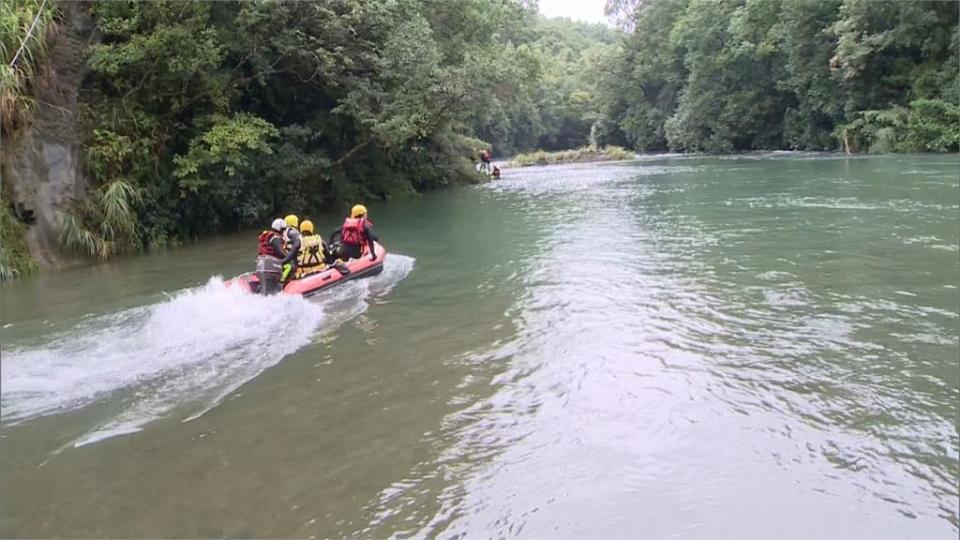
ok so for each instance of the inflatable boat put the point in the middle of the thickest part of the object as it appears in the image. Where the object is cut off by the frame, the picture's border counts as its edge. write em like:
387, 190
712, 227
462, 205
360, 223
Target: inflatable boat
316, 282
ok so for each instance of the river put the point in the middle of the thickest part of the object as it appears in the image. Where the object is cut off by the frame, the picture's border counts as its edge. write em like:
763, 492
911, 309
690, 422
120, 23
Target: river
759, 346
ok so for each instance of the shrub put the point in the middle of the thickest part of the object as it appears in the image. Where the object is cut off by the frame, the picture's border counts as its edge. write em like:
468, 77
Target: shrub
934, 126
14, 257
579, 155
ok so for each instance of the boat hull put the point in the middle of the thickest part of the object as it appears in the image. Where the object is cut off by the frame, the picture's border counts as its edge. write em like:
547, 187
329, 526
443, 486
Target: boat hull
320, 281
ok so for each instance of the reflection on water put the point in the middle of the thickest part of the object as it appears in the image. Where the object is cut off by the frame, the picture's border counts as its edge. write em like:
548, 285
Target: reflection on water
763, 346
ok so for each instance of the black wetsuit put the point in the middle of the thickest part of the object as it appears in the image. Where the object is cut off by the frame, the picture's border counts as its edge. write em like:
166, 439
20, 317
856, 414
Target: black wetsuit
293, 236
354, 251
277, 244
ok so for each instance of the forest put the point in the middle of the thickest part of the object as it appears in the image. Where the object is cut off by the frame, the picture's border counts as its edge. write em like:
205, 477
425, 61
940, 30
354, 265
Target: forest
202, 117
852, 75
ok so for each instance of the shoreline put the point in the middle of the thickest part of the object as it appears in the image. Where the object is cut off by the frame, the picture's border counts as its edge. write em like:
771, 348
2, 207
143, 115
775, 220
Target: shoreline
505, 164
513, 162
585, 154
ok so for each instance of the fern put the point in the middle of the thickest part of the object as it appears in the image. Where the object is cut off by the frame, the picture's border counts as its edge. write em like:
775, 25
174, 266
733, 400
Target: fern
75, 237
116, 200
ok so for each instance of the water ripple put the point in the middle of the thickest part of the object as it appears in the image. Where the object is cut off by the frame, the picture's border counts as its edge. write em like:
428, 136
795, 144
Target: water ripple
682, 348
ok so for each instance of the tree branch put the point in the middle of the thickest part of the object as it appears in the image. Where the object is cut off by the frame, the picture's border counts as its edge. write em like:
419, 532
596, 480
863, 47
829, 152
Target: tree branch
351, 152
437, 116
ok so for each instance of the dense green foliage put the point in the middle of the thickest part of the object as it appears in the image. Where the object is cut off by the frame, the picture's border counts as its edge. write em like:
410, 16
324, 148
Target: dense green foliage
862, 75
214, 115
198, 117
24, 27
552, 101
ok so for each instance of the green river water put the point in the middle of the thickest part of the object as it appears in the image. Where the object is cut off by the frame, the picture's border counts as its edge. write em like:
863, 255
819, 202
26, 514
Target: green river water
761, 346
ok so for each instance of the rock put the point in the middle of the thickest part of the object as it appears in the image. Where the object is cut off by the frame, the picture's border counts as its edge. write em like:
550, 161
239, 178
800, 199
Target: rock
41, 166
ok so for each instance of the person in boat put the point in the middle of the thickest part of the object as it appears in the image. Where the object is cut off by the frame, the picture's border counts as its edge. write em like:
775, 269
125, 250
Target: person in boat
269, 257
291, 246
313, 251
496, 172
356, 231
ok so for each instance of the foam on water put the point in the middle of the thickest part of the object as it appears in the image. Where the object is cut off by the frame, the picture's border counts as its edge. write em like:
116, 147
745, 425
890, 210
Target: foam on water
192, 350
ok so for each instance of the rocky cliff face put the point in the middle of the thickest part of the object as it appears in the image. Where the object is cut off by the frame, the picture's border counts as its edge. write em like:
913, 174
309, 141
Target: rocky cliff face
41, 164
43, 176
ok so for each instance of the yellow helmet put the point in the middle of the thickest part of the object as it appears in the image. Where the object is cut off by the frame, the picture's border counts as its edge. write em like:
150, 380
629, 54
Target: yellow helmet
306, 227
292, 221
358, 210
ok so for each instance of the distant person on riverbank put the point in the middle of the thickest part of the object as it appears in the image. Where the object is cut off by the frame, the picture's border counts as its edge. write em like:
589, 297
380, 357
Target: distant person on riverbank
291, 241
356, 231
313, 251
485, 161
496, 172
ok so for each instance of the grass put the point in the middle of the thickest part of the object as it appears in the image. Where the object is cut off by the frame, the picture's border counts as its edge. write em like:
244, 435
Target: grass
578, 155
16, 98
102, 225
77, 238
14, 257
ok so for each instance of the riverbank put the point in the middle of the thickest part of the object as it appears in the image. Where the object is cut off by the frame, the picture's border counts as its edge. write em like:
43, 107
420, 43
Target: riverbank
584, 154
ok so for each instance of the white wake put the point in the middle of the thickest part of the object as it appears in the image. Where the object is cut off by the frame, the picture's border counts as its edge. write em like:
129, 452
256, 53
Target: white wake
192, 350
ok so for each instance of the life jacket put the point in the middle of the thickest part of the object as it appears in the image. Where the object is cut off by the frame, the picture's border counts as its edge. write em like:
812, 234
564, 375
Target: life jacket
352, 233
264, 242
311, 250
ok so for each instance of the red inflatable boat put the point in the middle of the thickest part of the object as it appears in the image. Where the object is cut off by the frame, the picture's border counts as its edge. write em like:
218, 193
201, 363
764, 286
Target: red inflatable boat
324, 279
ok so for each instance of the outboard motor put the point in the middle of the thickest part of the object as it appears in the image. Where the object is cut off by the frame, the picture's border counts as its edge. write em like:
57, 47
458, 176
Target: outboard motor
269, 271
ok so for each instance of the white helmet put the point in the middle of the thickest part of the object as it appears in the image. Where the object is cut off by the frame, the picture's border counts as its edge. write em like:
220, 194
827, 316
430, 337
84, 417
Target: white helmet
279, 225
